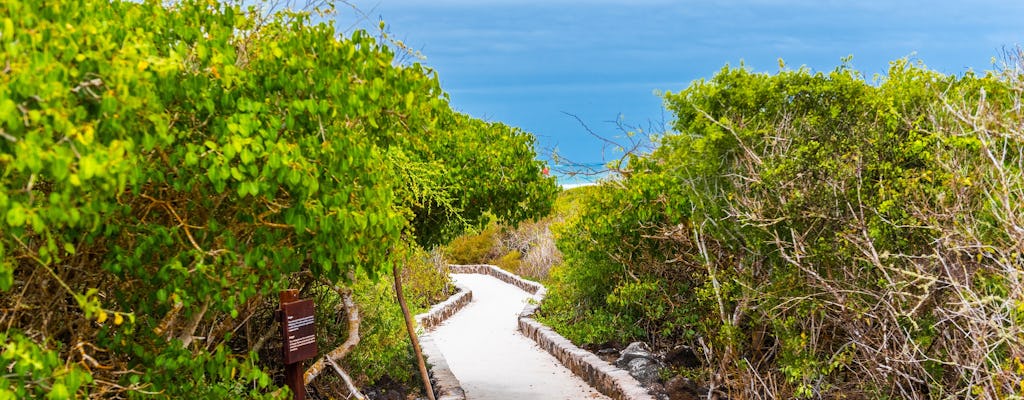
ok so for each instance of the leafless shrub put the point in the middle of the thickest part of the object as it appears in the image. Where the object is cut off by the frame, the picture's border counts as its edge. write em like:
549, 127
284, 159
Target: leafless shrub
534, 244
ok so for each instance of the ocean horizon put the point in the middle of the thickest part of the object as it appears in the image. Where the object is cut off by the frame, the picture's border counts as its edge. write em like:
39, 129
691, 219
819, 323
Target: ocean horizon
569, 176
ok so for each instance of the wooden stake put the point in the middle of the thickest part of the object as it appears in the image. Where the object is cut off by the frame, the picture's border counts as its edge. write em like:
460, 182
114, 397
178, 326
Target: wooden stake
412, 332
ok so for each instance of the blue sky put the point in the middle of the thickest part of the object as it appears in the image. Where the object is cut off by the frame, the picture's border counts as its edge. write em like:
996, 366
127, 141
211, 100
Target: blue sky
526, 63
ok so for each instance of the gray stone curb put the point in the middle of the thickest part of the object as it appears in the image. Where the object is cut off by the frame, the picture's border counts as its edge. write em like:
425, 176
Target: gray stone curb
440, 312
446, 385
608, 379
530, 287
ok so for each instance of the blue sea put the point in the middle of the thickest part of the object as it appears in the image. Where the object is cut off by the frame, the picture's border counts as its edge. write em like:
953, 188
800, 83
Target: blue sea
574, 175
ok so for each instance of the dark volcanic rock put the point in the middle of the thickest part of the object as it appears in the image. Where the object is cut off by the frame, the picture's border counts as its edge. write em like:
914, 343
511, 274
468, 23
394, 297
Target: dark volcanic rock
682, 356
633, 351
644, 370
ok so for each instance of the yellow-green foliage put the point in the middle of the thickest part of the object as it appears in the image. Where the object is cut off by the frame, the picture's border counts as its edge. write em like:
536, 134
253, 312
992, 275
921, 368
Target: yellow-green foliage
473, 248
424, 278
511, 261
384, 347
526, 249
568, 202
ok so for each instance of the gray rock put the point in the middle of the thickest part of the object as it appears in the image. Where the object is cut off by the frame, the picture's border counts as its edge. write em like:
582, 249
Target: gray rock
633, 351
645, 370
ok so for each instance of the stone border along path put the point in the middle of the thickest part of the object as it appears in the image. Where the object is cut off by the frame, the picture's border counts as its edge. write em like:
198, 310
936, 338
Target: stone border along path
606, 378
446, 385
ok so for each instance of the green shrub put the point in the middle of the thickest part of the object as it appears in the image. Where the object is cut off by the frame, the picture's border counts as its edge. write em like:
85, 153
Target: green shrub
511, 261
473, 248
425, 279
817, 232
384, 348
169, 173
527, 249
36, 372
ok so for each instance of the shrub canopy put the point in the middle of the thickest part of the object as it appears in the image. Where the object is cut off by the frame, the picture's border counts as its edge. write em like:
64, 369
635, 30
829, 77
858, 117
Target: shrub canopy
816, 235
165, 169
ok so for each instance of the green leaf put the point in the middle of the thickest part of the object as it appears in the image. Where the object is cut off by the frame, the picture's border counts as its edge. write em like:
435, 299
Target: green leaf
409, 98
58, 392
16, 216
87, 167
6, 275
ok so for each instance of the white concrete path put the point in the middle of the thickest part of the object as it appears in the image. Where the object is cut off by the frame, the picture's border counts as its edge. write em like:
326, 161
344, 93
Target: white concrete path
492, 360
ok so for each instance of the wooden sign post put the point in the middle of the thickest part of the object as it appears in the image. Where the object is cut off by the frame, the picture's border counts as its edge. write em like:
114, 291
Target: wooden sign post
299, 334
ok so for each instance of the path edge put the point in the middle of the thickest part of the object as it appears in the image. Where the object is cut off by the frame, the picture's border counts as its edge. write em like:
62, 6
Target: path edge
608, 379
446, 385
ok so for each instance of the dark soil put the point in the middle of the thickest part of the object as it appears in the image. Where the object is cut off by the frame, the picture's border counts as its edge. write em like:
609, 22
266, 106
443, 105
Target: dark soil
388, 389
385, 389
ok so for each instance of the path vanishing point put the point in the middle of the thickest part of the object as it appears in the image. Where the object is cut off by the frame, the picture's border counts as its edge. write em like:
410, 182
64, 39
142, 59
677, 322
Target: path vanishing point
489, 356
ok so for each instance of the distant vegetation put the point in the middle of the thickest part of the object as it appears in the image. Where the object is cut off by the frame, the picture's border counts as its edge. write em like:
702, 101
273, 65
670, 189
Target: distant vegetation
527, 249
816, 235
165, 169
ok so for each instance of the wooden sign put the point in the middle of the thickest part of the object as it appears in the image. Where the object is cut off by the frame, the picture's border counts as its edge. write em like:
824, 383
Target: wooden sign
298, 331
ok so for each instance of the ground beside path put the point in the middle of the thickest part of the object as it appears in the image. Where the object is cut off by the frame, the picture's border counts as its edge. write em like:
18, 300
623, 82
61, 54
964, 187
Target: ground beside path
489, 356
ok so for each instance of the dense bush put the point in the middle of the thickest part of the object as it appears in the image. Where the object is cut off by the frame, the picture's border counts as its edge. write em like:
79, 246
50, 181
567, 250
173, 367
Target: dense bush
526, 249
815, 235
473, 247
166, 169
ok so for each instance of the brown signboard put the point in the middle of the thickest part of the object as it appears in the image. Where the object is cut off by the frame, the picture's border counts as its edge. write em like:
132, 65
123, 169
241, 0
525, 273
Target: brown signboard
298, 331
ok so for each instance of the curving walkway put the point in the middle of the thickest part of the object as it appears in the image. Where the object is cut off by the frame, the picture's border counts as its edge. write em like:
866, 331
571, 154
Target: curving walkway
491, 359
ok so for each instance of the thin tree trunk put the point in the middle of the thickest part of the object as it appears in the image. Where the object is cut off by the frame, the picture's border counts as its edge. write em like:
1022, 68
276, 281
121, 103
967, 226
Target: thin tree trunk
271, 331
412, 333
330, 359
348, 381
166, 325
188, 334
